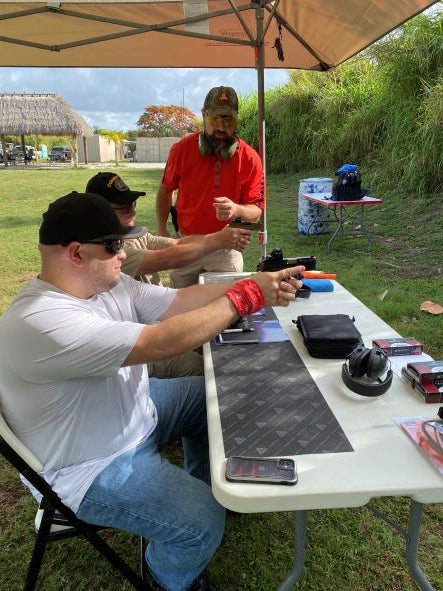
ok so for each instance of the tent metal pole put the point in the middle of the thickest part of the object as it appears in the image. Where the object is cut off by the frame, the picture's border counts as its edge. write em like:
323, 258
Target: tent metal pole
259, 66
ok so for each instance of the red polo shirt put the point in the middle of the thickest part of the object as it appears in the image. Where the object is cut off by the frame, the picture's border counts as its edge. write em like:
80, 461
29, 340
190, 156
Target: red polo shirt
199, 179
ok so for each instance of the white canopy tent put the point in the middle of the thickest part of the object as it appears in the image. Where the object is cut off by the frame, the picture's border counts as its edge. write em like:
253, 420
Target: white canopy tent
289, 34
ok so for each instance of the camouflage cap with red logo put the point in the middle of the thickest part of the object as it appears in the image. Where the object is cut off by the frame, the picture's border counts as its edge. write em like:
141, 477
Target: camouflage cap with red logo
221, 101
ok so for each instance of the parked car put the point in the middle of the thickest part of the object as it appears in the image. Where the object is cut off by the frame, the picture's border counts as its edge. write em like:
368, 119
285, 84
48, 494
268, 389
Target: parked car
29, 154
61, 153
9, 151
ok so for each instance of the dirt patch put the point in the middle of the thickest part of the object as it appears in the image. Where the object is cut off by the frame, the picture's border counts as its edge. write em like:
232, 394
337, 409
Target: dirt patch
19, 279
11, 494
408, 261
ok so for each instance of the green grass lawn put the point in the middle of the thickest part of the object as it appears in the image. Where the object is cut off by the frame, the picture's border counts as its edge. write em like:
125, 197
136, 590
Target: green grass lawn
348, 549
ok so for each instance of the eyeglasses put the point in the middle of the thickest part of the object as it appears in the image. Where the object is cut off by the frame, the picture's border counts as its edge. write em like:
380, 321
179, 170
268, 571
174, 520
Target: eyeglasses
111, 246
125, 209
224, 121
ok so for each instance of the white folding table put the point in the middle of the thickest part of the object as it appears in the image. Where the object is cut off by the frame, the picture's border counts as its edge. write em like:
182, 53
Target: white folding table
384, 463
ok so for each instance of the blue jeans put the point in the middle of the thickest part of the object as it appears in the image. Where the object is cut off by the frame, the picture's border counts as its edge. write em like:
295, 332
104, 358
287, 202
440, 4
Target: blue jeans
142, 493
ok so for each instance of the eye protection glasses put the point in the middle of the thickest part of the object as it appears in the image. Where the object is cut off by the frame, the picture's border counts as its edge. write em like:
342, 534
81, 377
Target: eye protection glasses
125, 209
221, 121
111, 246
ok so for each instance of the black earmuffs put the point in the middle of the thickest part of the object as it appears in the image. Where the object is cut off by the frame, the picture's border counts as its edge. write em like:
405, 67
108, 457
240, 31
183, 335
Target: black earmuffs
206, 147
362, 370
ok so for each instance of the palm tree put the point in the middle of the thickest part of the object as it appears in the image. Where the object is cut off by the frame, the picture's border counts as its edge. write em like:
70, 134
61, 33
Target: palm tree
117, 137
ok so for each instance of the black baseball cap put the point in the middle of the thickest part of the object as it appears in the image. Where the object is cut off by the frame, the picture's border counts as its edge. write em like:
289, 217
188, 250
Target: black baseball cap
111, 186
80, 217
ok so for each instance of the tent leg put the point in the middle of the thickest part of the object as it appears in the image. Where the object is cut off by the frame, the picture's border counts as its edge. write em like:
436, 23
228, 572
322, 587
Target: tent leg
259, 66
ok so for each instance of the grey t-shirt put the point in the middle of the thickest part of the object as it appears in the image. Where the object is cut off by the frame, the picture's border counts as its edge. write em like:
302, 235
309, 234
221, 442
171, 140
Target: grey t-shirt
63, 391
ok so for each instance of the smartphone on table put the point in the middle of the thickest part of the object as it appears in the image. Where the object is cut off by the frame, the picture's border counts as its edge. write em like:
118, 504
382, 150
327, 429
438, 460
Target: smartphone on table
265, 470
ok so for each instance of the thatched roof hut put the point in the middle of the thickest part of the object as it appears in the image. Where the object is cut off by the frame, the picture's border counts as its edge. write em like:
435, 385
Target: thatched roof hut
40, 114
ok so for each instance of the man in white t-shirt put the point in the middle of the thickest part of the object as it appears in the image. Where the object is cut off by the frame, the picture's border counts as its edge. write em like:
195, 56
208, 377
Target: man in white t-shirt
74, 385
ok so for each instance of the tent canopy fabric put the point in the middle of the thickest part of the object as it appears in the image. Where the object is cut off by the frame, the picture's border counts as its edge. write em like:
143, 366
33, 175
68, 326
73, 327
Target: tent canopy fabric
314, 34
40, 114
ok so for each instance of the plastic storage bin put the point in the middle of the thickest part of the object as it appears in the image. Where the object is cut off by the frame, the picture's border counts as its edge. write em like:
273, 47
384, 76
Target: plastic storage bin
312, 217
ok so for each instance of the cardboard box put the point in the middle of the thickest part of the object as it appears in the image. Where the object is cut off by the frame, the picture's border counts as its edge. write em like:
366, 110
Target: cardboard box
407, 375
399, 346
430, 393
427, 372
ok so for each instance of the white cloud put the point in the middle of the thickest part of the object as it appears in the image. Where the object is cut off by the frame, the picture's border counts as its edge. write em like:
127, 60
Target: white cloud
113, 98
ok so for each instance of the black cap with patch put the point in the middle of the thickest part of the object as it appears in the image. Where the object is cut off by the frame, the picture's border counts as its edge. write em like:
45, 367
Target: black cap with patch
80, 217
112, 187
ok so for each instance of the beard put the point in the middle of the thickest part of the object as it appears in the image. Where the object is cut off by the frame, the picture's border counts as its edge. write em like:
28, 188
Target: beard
103, 279
219, 141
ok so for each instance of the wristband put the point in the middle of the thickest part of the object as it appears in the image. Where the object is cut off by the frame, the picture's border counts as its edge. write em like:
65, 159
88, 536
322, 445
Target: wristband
246, 296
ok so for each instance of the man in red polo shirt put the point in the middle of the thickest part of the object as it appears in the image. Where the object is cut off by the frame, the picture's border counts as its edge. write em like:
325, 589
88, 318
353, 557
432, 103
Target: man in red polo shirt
219, 178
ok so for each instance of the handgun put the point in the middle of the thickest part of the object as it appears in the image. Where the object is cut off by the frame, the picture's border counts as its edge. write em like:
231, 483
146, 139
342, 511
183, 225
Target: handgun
238, 223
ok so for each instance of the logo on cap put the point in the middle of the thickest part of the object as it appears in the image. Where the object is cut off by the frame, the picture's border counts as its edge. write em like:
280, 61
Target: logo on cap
221, 100
118, 183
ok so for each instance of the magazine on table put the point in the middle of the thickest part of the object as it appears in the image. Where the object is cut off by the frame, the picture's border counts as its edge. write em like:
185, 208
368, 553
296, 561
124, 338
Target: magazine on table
252, 329
427, 434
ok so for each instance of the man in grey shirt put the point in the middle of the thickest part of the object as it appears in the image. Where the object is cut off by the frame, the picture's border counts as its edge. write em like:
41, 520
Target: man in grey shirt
75, 389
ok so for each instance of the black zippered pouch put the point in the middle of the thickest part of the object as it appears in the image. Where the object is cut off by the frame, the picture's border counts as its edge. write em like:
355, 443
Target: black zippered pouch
329, 336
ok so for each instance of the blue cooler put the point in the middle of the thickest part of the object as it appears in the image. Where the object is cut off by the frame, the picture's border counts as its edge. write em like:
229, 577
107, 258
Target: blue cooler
310, 213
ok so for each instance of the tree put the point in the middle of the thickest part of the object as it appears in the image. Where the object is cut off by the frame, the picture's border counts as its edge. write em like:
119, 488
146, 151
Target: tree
132, 134
167, 121
117, 137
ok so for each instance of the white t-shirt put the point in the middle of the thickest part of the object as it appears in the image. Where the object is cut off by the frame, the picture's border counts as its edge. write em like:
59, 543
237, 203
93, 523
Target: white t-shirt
63, 391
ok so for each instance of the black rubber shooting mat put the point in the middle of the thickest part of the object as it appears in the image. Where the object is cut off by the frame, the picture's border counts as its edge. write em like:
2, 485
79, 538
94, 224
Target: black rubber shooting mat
269, 404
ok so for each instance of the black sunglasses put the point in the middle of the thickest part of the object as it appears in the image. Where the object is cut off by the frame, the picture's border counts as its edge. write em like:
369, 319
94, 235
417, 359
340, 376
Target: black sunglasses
111, 246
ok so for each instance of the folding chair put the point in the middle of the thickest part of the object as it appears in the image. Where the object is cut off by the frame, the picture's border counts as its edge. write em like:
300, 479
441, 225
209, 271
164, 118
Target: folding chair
54, 520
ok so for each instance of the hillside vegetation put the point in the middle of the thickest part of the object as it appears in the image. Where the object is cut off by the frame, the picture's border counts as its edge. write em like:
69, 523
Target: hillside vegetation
382, 110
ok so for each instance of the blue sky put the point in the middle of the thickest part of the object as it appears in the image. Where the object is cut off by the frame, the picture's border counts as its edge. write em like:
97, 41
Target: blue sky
114, 98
